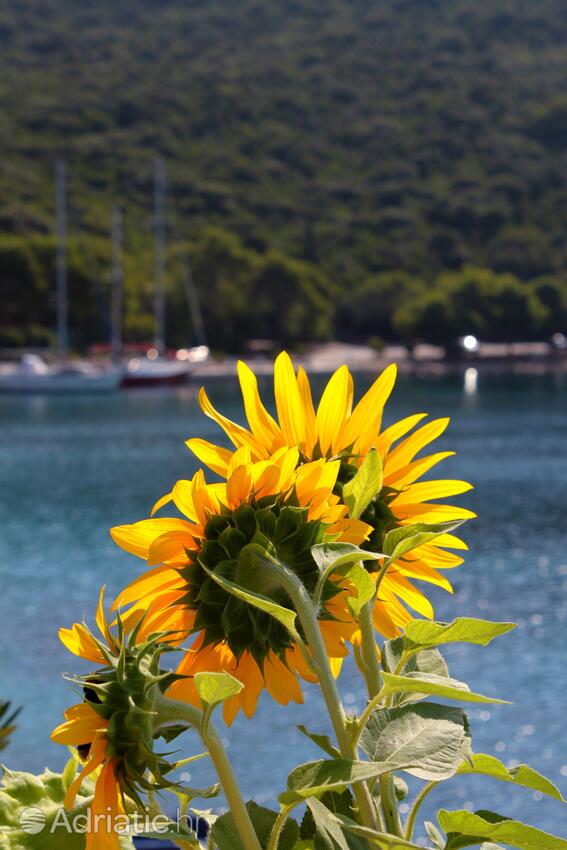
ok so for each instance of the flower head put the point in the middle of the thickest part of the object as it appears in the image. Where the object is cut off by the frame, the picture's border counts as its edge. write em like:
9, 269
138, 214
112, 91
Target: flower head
337, 430
113, 728
277, 504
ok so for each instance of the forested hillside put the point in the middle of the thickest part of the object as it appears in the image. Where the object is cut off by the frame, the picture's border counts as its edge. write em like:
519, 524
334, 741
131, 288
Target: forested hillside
335, 167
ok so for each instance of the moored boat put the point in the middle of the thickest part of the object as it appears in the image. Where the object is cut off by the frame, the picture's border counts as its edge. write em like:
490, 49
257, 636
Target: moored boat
34, 376
151, 370
143, 372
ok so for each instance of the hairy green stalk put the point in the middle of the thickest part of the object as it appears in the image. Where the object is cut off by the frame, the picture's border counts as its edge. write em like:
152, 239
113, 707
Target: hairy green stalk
410, 825
308, 618
174, 712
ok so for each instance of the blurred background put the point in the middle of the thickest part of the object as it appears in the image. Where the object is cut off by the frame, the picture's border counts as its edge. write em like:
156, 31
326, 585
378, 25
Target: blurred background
334, 169
185, 182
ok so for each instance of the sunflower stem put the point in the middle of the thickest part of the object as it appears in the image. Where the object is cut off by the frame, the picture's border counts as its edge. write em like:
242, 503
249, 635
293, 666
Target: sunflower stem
388, 800
368, 648
308, 618
171, 711
425, 791
279, 824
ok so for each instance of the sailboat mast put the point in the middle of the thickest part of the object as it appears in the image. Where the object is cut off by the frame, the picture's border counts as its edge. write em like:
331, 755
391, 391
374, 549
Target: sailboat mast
117, 286
61, 260
159, 247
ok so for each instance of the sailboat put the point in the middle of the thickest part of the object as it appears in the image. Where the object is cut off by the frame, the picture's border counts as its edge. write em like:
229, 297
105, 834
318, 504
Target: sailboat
155, 369
32, 374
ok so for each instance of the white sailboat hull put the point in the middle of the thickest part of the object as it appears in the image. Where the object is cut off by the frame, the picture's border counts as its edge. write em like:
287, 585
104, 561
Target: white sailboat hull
152, 373
59, 381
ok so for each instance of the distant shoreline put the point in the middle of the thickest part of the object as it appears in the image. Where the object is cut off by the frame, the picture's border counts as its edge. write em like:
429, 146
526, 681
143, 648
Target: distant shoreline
521, 358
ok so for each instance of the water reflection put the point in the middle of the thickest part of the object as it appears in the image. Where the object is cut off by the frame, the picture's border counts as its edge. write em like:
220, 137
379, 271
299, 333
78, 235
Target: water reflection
471, 381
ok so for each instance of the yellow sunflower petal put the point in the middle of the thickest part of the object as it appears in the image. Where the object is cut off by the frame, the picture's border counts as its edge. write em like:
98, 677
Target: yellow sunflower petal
170, 546
100, 618
334, 409
106, 808
78, 641
432, 490
205, 497
138, 537
367, 415
410, 473
152, 581
80, 729
425, 512
182, 495
409, 594
261, 423
238, 435
408, 448
215, 457
395, 432
96, 758
239, 486
268, 483
446, 540
165, 500
424, 572
336, 666
288, 401
309, 411
281, 683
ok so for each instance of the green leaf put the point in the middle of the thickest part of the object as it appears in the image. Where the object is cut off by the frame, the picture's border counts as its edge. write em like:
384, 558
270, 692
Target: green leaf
322, 741
316, 777
69, 772
404, 539
336, 803
481, 825
425, 740
28, 801
426, 684
424, 661
182, 837
329, 557
226, 837
383, 841
186, 794
366, 484
284, 615
421, 634
434, 835
365, 588
344, 559
333, 826
328, 827
214, 688
488, 765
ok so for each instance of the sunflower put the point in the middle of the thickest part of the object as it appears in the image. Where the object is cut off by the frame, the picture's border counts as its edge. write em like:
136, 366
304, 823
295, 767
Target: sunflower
334, 430
283, 506
86, 730
112, 729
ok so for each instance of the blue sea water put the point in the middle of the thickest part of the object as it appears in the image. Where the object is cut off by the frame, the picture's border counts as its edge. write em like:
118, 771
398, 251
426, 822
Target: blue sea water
73, 467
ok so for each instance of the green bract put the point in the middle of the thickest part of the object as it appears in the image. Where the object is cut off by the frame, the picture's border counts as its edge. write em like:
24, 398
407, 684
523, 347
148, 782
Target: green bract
123, 693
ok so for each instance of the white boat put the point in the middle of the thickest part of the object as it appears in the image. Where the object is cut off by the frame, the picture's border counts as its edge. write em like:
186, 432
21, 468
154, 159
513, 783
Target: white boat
143, 372
34, 376
152, 370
